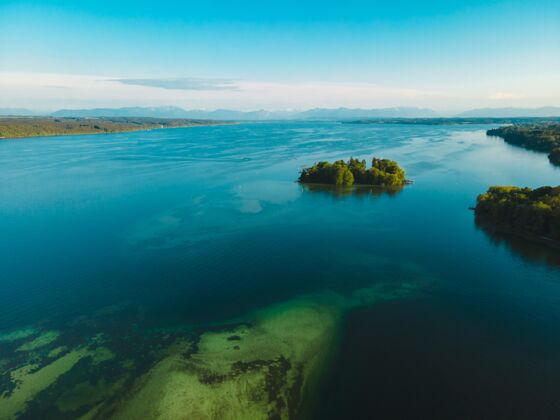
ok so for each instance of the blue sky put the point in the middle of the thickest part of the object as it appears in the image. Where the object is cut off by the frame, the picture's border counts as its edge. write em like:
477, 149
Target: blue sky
447, 55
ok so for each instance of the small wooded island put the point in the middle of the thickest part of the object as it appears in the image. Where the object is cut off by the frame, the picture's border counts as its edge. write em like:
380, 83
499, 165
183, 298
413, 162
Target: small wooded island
17, 127
543, 137
533, 213
383, 173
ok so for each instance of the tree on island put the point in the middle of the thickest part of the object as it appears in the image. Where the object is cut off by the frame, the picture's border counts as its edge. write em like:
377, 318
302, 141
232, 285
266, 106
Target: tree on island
383, 172
521, 210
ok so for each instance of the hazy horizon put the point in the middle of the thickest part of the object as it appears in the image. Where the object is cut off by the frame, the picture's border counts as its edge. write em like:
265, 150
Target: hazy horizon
385, 112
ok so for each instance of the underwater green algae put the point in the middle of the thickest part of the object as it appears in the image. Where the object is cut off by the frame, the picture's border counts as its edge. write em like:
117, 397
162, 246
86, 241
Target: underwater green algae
46, 379
256, 370
30, 381
43, 340
265, 364
17, 335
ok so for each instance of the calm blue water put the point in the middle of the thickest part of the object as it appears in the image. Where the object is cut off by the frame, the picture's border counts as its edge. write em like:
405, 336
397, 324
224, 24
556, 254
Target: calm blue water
203, 224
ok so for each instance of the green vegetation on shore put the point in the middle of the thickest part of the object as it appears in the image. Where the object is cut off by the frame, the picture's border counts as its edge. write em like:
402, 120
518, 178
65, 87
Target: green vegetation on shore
543, 137
525, 211
11, 127
383, 172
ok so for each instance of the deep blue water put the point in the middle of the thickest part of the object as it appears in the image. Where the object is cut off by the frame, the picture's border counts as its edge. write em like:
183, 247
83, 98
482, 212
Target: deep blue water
203, 224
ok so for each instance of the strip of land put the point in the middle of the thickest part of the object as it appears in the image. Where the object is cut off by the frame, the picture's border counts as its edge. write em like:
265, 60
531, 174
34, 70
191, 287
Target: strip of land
18, 127
530, 213
544, 137
456, 121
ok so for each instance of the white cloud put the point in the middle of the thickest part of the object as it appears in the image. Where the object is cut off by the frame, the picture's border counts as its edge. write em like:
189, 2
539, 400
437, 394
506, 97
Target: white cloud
182, 83
45, 91
40, 90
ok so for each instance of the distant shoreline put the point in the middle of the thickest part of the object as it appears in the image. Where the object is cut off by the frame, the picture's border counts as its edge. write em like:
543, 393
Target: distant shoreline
12, 128
454, 120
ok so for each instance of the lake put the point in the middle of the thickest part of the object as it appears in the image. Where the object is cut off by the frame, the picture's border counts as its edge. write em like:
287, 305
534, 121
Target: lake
184, 272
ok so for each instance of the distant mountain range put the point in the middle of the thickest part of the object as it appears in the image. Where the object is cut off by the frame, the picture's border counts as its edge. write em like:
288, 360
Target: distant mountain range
156, 112
228, 114
19, 112
263, 115
260, 115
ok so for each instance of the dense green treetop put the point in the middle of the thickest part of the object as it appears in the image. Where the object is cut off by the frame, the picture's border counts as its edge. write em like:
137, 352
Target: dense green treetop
383, 172
523, 210
544, 137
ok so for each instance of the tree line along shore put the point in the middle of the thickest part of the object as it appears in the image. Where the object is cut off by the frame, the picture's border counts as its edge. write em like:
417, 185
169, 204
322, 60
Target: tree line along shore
543, 137
533, 214
18, 127
530, 213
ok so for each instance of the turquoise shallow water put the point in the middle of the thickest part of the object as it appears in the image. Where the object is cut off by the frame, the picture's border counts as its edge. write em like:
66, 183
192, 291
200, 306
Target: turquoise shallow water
203, 224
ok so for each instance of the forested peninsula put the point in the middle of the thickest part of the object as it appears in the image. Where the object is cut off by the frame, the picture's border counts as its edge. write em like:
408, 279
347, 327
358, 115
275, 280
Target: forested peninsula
532, 213
16, 127
543, 137
383, 172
